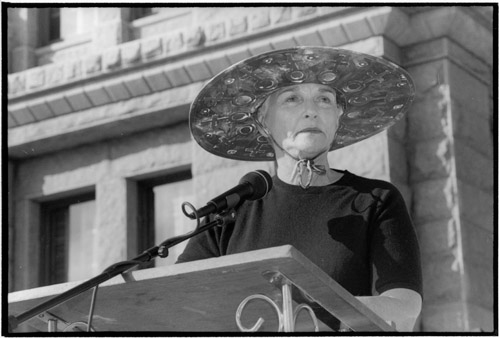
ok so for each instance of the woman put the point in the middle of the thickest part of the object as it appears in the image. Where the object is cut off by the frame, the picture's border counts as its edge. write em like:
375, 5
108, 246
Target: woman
293, 106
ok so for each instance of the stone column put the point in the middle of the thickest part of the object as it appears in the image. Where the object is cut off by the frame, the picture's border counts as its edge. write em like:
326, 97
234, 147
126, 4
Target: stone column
22, 38
10, 220
25, 254
112, 27
450, 156
111, 213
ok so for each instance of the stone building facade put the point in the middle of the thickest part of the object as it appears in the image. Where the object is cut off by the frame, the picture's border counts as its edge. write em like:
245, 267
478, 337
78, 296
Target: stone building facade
105, 107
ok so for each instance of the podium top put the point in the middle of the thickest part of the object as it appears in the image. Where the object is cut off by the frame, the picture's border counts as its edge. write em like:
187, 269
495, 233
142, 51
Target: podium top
201, 296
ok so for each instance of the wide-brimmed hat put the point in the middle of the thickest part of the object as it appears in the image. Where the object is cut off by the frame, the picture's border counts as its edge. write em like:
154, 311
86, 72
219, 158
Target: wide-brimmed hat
375, 93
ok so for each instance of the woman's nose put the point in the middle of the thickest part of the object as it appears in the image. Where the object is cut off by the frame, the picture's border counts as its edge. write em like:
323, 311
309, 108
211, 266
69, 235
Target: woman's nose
310, 110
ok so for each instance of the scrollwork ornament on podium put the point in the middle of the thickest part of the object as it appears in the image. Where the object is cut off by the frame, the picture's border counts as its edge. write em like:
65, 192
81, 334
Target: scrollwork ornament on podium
260, 321
286, 318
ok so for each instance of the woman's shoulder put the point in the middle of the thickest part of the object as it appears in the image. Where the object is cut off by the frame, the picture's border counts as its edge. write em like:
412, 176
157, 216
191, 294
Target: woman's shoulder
366, 184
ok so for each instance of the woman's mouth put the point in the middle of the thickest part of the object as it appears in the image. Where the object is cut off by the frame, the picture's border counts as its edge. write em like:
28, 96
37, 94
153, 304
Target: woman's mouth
310, 130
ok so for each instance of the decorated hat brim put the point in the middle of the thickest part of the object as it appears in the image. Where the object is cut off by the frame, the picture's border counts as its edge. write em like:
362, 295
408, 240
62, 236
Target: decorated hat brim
376, 94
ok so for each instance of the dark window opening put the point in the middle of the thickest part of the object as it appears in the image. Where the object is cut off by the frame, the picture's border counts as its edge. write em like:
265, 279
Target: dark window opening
55, 241
54, 24
49, 29
141, 12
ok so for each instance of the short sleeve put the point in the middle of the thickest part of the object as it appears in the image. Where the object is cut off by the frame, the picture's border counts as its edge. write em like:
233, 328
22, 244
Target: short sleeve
395, 252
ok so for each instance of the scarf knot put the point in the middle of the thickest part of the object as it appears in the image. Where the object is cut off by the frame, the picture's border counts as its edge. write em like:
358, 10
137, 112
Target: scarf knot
310, 167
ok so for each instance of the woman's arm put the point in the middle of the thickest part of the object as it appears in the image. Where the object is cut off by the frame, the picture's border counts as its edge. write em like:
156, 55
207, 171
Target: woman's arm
399, 306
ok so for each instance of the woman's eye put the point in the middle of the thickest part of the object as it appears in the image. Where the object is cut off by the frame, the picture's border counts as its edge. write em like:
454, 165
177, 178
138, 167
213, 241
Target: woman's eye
325, 99
292, 98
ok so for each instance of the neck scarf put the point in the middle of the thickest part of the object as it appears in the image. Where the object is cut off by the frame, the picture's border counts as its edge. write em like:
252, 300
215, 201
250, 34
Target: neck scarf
301, 164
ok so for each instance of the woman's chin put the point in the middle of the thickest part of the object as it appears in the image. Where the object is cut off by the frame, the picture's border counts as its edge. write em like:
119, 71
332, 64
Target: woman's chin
306, 146
307, 151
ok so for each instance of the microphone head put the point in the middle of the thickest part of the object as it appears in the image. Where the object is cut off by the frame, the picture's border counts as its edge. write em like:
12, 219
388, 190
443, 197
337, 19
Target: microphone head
261, 183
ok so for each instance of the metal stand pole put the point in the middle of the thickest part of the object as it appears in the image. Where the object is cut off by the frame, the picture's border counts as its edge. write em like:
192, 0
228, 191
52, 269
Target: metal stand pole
288, 315
52, 325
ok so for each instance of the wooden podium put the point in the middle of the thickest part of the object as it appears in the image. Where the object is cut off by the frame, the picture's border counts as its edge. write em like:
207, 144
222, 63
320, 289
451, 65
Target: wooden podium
203, 296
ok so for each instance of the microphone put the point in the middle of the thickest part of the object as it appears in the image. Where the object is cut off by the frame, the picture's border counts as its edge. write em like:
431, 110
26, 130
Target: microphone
253, 186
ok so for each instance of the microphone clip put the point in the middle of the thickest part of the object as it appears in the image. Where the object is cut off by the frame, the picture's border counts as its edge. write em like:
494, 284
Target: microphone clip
226, 217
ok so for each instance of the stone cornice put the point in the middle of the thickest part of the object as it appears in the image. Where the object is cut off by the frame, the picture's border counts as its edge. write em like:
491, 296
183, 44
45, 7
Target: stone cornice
392, 22
165, 48
425, 24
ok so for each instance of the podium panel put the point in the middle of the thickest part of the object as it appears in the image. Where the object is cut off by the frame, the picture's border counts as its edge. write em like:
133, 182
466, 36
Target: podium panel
202, 296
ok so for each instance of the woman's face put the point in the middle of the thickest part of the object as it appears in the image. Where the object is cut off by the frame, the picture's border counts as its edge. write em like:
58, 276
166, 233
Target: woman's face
303, 118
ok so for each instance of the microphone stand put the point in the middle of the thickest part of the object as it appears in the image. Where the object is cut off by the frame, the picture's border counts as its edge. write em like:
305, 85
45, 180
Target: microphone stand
118, 268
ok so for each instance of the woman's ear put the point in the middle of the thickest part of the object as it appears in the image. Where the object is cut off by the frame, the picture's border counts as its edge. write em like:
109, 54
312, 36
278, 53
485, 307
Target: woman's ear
259, 123
260, 115
262, 111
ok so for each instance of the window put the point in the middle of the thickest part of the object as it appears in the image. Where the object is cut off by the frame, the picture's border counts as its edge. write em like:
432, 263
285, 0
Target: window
161, 217
141, 12
66, 241
54, 24
49, 25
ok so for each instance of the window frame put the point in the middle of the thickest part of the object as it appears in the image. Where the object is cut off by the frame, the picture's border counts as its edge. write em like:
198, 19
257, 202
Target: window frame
146, 210
48, 272
45, 25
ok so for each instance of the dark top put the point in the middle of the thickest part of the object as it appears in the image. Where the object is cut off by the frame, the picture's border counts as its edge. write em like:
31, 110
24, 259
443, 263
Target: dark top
357, 230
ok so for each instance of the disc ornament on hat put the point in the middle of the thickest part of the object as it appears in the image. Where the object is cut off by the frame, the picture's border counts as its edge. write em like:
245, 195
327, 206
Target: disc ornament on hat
374, 92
